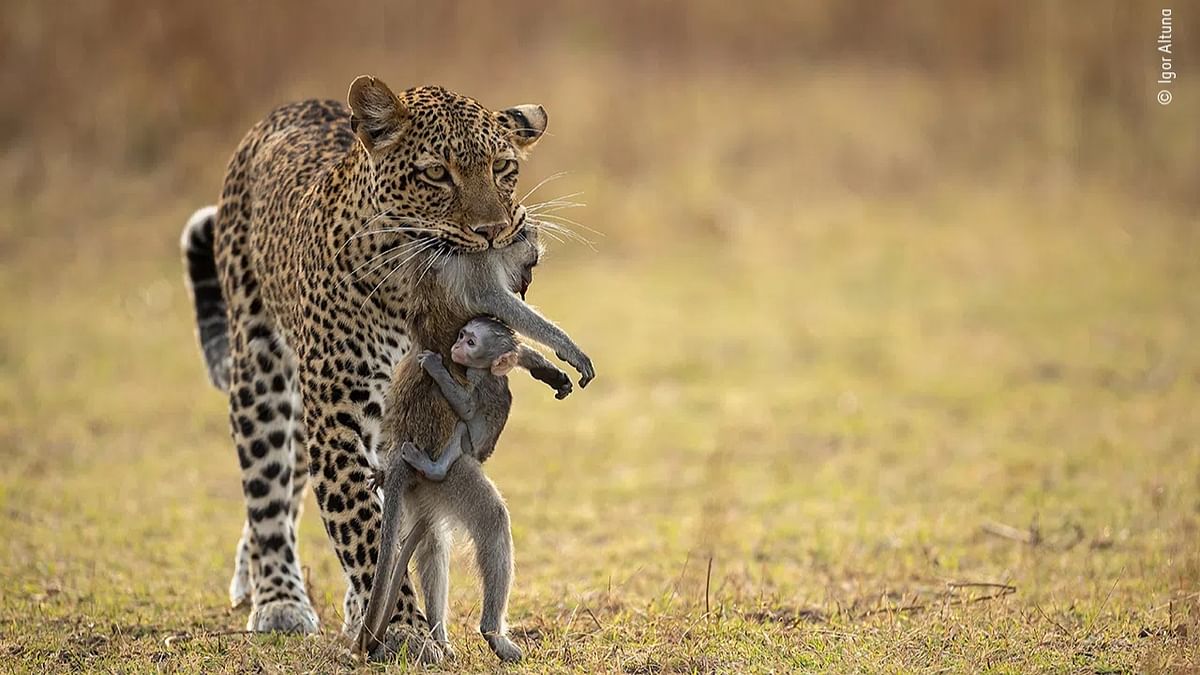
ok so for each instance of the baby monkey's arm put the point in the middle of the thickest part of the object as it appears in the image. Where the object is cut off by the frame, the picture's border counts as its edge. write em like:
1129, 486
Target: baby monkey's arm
544, 371
461, 401
457, 396
436, 470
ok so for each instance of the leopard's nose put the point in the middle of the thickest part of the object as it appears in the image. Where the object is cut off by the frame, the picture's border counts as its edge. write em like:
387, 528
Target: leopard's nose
491, 230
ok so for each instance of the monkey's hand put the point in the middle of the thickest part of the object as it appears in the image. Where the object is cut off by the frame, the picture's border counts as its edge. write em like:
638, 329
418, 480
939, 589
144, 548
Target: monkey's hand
557, 380
429, 360
580, 362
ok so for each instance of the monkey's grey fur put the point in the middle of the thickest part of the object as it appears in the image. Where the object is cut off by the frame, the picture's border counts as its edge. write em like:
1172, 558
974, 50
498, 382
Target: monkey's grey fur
494, 341
415, 512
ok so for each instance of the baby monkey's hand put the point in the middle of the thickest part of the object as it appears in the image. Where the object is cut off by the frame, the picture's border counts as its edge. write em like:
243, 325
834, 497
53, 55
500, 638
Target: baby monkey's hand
429, 360
556, 379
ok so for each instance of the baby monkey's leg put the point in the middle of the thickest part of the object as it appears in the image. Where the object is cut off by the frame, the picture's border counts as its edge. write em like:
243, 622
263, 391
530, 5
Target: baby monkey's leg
436, 470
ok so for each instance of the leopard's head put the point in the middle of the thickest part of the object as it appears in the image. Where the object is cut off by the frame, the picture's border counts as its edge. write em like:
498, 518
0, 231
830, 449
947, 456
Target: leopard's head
444, 167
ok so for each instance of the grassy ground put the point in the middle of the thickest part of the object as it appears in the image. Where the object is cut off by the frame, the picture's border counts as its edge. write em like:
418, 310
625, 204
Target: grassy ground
954, 434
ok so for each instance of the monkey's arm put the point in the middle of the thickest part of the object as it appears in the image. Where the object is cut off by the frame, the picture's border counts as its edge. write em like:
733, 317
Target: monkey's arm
543, 370
528, 322
436, 470
457, 396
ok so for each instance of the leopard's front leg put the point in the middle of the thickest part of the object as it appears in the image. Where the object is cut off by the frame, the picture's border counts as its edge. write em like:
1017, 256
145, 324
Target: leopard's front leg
261, 417
343, 404
242, 584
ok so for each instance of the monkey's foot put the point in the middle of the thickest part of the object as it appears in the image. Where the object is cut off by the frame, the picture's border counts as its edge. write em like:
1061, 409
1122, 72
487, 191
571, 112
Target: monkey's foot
283, 616
421, 462
506, 649
407, 644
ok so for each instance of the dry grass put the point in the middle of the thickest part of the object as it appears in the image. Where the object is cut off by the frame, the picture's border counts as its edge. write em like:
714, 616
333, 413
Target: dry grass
897, 363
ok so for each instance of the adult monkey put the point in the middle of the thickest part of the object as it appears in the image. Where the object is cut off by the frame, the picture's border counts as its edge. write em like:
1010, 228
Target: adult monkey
302, 300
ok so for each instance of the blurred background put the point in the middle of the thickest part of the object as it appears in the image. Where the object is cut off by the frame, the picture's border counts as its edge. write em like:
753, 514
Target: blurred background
866, 284
739, 112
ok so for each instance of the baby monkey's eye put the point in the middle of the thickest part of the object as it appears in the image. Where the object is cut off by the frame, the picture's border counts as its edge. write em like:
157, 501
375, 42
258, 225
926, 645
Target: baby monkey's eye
436, 173
503, 166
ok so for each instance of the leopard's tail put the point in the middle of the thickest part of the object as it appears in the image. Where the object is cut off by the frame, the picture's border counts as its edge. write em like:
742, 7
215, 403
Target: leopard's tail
212, 324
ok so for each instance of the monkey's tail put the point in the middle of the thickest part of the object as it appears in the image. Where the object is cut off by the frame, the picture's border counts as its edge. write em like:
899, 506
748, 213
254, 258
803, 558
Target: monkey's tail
212, 323
391, 572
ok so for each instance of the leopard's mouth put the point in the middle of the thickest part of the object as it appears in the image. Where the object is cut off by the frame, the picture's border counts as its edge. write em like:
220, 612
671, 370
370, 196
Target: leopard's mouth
448, 242
515, 234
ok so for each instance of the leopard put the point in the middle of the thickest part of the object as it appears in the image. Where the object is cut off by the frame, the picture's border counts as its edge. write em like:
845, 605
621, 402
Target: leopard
304, 307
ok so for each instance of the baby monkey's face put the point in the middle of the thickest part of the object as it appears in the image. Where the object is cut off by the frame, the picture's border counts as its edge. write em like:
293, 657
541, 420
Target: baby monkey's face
471, 348
481, 344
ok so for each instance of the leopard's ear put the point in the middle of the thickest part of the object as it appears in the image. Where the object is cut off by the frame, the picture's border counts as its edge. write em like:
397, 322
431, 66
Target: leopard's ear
525, 124
377, 116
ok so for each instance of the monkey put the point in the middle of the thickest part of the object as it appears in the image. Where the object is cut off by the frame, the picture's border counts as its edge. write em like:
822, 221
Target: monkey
486, 348
492, 283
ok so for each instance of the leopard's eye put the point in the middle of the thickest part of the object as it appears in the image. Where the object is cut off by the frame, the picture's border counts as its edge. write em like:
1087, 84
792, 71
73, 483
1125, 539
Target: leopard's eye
436, 173
502, 166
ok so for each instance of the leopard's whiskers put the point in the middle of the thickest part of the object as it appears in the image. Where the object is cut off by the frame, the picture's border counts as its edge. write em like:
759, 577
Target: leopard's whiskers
385, 230
365, 224
549, 233
547, 179
562, 220
548, 226
360, 231
429, 264
555, 201
550, 207
394, 270
418, 251
401, 248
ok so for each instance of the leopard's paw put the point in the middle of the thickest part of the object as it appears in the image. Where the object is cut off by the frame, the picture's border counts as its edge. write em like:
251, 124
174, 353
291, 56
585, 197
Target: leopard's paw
284, 616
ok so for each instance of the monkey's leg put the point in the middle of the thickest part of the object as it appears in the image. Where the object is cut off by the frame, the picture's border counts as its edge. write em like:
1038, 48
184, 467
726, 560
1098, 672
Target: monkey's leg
436, 470
477, 504
456, 395
433, 565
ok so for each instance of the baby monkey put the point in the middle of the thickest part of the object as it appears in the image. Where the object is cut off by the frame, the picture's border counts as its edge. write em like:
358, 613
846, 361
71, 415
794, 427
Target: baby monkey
486, 348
